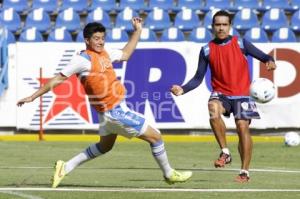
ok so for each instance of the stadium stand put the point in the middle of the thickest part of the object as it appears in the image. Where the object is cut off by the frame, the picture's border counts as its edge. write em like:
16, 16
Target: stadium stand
172, 34
256, 34
99, 15
107, 5
31, 35
245, 19
3, 60
166, 5
39, 19
60, 35
10, 37
295, 22
220, 4
10, 19
274, 19
78, 6
284, 35
282, 4
295, 5
208, 18
79, 37
136, 5
194, 5
116, 35
20, 6
200, 35
123, 19
186, 20
69, 19
252, 4
148, 35
49, 6
158, 20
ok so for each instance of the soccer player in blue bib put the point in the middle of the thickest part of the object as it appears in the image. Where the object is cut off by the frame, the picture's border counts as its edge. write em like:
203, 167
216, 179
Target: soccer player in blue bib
230, 80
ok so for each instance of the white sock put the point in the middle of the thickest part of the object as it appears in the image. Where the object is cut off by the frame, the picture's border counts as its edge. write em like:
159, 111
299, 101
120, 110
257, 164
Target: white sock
226, 151
86, 155
244, 171
160, 155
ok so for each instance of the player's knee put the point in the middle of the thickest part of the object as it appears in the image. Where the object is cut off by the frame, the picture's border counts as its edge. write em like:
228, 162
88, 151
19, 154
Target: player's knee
214, 110
242, 125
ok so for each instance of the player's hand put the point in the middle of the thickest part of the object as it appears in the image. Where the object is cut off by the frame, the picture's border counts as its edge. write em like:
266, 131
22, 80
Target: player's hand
270, 65
177, 90
137, 23
24, 100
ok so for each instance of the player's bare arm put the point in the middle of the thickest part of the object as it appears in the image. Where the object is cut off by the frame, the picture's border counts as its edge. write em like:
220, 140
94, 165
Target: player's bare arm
177, 90
270, 65
52, 83
131, 45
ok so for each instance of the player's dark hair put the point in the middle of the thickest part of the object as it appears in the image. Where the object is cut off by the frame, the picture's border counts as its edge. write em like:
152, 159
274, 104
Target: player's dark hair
92, 28
221, 13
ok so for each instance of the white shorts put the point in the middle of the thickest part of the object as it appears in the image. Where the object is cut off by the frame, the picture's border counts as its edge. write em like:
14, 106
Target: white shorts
122, 121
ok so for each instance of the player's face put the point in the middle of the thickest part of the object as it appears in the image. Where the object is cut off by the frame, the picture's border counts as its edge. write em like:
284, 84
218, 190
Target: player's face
221, 27
96, 42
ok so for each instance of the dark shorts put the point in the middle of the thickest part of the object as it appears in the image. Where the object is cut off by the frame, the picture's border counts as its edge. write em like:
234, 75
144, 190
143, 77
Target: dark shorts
242, 107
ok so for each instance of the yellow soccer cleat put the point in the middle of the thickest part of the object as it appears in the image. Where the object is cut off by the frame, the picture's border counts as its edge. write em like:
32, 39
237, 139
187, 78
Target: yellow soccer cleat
59, 173
178, 176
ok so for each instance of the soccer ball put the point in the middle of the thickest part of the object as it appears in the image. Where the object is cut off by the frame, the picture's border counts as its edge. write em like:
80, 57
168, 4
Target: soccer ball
262, 90
292, 139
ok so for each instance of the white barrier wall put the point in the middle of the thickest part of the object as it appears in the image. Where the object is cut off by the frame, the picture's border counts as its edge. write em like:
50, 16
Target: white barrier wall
148, 76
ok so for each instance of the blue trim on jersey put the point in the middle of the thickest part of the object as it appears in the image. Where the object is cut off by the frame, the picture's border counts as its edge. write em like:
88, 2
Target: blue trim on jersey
85, 55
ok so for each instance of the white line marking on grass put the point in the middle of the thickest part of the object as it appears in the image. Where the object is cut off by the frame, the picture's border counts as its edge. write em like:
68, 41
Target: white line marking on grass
22, 195
144, 190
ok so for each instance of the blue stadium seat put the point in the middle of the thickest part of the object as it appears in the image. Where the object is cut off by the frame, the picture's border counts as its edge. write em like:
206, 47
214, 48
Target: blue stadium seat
200, 35
79, 37
31, 35
148, 35
123, 19
218, 4
295, 5
116, 35
10, 38
19, 6
282, 4
78, 5
195, 5
166, 5
157, 20
252, 4
186, 20
39, 19
99, 15
295, 22
256, 34
172, 34
208, 18
136, 5
284, 35
274, 19
50, 6
233, 31
60, 35
245, 19
10, 19
69, 19
107, 5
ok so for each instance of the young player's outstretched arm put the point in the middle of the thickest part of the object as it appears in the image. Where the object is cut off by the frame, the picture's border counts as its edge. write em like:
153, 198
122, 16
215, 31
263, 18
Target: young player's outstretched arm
131, 45
52, 83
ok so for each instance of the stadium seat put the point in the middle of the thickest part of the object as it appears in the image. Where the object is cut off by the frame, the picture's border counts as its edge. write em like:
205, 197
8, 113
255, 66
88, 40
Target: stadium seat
136, 5
148, 35
172, 34
123, 19
20, 6
233, 31
194, 5
78, 6
10, 19
50, 6
60, 35
79, 37
116, 35
166, 5
284, 35
282, 4
186, 20
245, 19
295, 22
252, 4
200, 35
10, 37
31, 35
256, 34
295, 5
218, 4
208, 18
69, 19
106, 5
157, 20
39, 19
99, 15
274, 19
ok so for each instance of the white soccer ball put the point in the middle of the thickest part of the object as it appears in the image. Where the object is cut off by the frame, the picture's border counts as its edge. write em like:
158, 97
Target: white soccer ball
262, 90
292, 139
